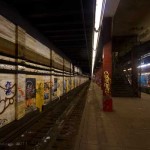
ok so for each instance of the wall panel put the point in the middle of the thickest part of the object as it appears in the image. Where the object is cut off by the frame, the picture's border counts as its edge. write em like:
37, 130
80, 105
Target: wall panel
7, 98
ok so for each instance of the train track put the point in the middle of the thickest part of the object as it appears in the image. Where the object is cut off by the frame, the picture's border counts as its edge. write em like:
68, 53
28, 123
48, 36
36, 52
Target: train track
45, 128
66, 138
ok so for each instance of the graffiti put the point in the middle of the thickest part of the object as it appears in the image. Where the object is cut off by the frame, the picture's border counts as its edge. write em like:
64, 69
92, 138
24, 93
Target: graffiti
40, 88
3, 121
51, 84
40, 94
55, 84
48, 86
8, 88
21, 92
65, 86
30, 90
54, 87
59, 90
46, 90
107, 82
7, 101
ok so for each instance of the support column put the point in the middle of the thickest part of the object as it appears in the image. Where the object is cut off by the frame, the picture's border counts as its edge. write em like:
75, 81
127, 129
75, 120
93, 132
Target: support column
107, 64
20, 77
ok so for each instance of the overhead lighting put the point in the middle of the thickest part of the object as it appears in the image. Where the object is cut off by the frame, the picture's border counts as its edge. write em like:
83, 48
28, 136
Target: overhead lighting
93, 59
146, 73
98, 21
95, 40
143, 66
146, 55
94, 54
93, 62
98, 13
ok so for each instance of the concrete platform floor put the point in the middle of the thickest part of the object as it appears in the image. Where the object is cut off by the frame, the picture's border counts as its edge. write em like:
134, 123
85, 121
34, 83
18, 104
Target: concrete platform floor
126, 128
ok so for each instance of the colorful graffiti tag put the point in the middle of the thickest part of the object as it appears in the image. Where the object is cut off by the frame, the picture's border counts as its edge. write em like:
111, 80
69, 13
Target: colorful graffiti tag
46, 91
10, 92
39, 94
30, 91
107, 82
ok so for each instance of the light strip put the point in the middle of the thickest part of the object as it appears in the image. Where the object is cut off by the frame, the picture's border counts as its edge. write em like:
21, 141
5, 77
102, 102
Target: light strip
98, 21
98, 12
143, 66
94, 54
146, 73
95, 40
146, 55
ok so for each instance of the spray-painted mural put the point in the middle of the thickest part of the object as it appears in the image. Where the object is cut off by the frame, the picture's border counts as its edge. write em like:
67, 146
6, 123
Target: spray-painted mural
66, 85
34, 84
69, 84
72, 83
60, 86
47, 89
7, 98
54, 87
30, 94
21, 96
39, 92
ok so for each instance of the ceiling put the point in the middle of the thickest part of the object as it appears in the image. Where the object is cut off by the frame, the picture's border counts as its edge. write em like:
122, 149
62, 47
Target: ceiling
68, 24
132, 18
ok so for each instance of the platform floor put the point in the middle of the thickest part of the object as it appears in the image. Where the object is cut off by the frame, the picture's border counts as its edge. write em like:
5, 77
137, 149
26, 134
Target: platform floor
126, 128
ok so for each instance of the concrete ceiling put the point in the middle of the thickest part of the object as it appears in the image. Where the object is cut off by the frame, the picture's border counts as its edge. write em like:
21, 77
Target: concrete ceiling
133, 18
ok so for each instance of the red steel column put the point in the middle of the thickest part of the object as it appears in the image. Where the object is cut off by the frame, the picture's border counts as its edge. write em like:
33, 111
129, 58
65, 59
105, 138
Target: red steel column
107, 65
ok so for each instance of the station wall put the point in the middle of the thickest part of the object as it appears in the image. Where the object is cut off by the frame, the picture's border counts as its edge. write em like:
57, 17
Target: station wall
31, 74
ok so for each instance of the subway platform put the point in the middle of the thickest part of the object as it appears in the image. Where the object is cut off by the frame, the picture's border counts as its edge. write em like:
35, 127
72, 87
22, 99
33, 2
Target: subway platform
126, 128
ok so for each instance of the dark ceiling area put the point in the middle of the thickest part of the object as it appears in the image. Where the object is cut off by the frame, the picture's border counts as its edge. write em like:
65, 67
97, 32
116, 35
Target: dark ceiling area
68, 24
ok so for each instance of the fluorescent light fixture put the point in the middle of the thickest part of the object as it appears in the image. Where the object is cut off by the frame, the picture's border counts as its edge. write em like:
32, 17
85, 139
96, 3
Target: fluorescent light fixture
143, 66
146, 55
98, 12
95, 40
145, 73
93, 62
94, 54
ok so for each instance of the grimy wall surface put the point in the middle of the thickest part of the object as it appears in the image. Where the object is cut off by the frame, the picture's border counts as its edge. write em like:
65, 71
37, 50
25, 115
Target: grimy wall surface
31, 73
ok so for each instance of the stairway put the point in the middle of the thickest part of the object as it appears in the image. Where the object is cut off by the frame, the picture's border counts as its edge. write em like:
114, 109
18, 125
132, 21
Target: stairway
120, 84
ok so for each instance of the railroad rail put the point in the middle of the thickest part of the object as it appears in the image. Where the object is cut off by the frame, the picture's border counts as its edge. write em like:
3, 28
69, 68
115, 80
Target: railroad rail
44, 129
